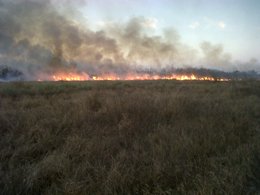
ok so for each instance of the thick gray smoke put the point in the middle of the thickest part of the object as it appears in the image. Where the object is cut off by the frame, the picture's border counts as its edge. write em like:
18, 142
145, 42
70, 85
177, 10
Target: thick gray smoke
42, 37
215, 57
36, 37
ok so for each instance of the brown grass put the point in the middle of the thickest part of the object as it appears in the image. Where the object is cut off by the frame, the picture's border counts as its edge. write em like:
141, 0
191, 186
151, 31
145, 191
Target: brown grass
150, 137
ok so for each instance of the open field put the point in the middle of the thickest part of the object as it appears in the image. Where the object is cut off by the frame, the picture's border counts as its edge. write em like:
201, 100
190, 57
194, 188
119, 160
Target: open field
139, 137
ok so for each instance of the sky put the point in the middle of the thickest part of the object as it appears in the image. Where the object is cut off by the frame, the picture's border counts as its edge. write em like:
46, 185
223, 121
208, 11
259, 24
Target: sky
120, 36
235, 24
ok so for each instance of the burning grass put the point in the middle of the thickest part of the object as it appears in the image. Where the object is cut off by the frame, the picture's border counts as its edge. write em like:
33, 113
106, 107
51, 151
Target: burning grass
131, 77
138, 137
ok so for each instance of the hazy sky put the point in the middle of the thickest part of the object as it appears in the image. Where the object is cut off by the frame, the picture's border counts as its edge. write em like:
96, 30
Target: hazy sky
118, 36
233, 23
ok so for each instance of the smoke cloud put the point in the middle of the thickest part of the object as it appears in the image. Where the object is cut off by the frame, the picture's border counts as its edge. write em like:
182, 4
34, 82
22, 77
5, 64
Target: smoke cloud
215, 57
42, 37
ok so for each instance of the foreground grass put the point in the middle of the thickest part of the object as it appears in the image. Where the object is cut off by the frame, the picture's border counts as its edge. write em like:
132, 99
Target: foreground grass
150, 137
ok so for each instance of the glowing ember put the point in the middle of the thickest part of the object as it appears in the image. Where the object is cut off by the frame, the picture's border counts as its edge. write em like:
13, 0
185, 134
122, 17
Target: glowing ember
112, 77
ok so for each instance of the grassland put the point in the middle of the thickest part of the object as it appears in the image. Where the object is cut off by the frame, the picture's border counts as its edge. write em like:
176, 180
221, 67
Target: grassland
139, 137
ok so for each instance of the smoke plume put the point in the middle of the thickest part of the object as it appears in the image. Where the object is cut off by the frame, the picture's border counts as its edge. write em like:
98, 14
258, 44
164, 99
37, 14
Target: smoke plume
44, 37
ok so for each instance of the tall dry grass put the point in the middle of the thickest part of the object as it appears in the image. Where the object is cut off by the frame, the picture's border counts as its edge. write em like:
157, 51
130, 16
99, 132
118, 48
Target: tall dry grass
151, 137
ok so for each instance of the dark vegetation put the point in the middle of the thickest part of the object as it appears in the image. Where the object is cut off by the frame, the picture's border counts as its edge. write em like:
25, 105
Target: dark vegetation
10, 74
142, 137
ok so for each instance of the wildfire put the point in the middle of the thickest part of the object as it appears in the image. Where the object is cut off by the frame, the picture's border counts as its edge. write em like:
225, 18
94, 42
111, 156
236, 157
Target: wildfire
70, 77
113, 77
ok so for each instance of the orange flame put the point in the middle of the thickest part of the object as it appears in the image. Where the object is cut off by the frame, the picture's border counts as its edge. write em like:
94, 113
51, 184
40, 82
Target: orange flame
113, 77
70, 77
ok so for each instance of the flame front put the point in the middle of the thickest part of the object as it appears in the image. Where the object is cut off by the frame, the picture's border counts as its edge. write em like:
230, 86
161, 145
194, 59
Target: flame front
113, 77
70, 77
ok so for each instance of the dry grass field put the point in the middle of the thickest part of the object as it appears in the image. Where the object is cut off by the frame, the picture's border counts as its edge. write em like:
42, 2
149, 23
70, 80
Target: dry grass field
138, 137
